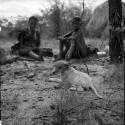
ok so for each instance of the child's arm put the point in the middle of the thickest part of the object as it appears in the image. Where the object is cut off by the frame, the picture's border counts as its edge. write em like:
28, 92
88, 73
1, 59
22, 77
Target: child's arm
68, 34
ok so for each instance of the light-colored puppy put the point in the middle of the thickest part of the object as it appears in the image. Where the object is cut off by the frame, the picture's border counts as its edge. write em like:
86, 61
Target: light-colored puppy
72, 76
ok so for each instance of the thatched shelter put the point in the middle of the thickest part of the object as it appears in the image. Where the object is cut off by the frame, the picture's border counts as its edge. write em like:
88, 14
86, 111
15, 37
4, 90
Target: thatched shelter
98, 24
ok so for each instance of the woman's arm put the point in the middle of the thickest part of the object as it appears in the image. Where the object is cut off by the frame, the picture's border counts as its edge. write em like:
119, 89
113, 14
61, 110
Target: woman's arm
38, 43
21, 37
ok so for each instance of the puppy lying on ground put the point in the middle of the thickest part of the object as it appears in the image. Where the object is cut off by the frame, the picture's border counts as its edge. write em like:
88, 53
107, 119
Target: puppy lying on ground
72, 76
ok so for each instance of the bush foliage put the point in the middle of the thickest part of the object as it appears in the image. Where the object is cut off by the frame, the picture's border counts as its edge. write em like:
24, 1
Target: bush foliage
56, 21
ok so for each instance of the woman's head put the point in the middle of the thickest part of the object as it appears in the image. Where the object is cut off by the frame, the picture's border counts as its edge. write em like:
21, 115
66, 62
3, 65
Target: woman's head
32, 22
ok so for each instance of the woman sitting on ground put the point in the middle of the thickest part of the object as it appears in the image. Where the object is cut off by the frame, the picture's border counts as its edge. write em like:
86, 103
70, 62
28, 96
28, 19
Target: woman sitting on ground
29, 41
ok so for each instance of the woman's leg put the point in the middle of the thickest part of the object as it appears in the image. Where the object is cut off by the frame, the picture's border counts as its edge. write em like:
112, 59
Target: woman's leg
39, 52
27, 51
35, 56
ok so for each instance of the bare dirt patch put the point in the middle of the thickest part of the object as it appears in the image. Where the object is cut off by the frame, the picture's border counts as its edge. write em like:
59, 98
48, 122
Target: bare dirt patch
27, 98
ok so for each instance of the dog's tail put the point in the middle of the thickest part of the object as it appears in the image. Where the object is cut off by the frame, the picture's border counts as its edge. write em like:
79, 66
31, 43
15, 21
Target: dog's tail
95, 91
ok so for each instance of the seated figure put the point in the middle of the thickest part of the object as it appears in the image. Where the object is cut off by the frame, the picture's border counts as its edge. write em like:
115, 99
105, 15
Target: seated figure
72, 45
29, 41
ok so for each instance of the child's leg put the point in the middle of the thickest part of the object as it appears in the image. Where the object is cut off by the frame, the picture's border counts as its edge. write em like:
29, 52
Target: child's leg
70, 49
61, 51
61, 47
67, 46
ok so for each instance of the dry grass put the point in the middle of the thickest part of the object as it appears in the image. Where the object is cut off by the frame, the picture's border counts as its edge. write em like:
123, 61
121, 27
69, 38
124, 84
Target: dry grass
76, 109
70, 108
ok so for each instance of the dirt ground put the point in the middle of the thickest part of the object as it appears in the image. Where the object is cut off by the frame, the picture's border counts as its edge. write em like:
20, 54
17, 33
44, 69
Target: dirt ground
27, 96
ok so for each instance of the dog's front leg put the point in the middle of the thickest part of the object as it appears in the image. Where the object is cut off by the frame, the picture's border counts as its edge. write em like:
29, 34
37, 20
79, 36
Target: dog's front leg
73, 88
55, 80
80, 89
60, 86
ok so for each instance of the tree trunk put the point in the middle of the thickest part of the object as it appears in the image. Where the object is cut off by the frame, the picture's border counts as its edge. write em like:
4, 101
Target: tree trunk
115, 38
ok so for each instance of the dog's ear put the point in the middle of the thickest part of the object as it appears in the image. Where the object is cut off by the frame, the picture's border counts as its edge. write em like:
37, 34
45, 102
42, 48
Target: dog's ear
67, 64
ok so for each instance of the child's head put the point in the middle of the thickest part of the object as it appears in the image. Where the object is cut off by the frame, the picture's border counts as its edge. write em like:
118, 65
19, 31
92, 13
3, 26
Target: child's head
76, 22
32, 22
